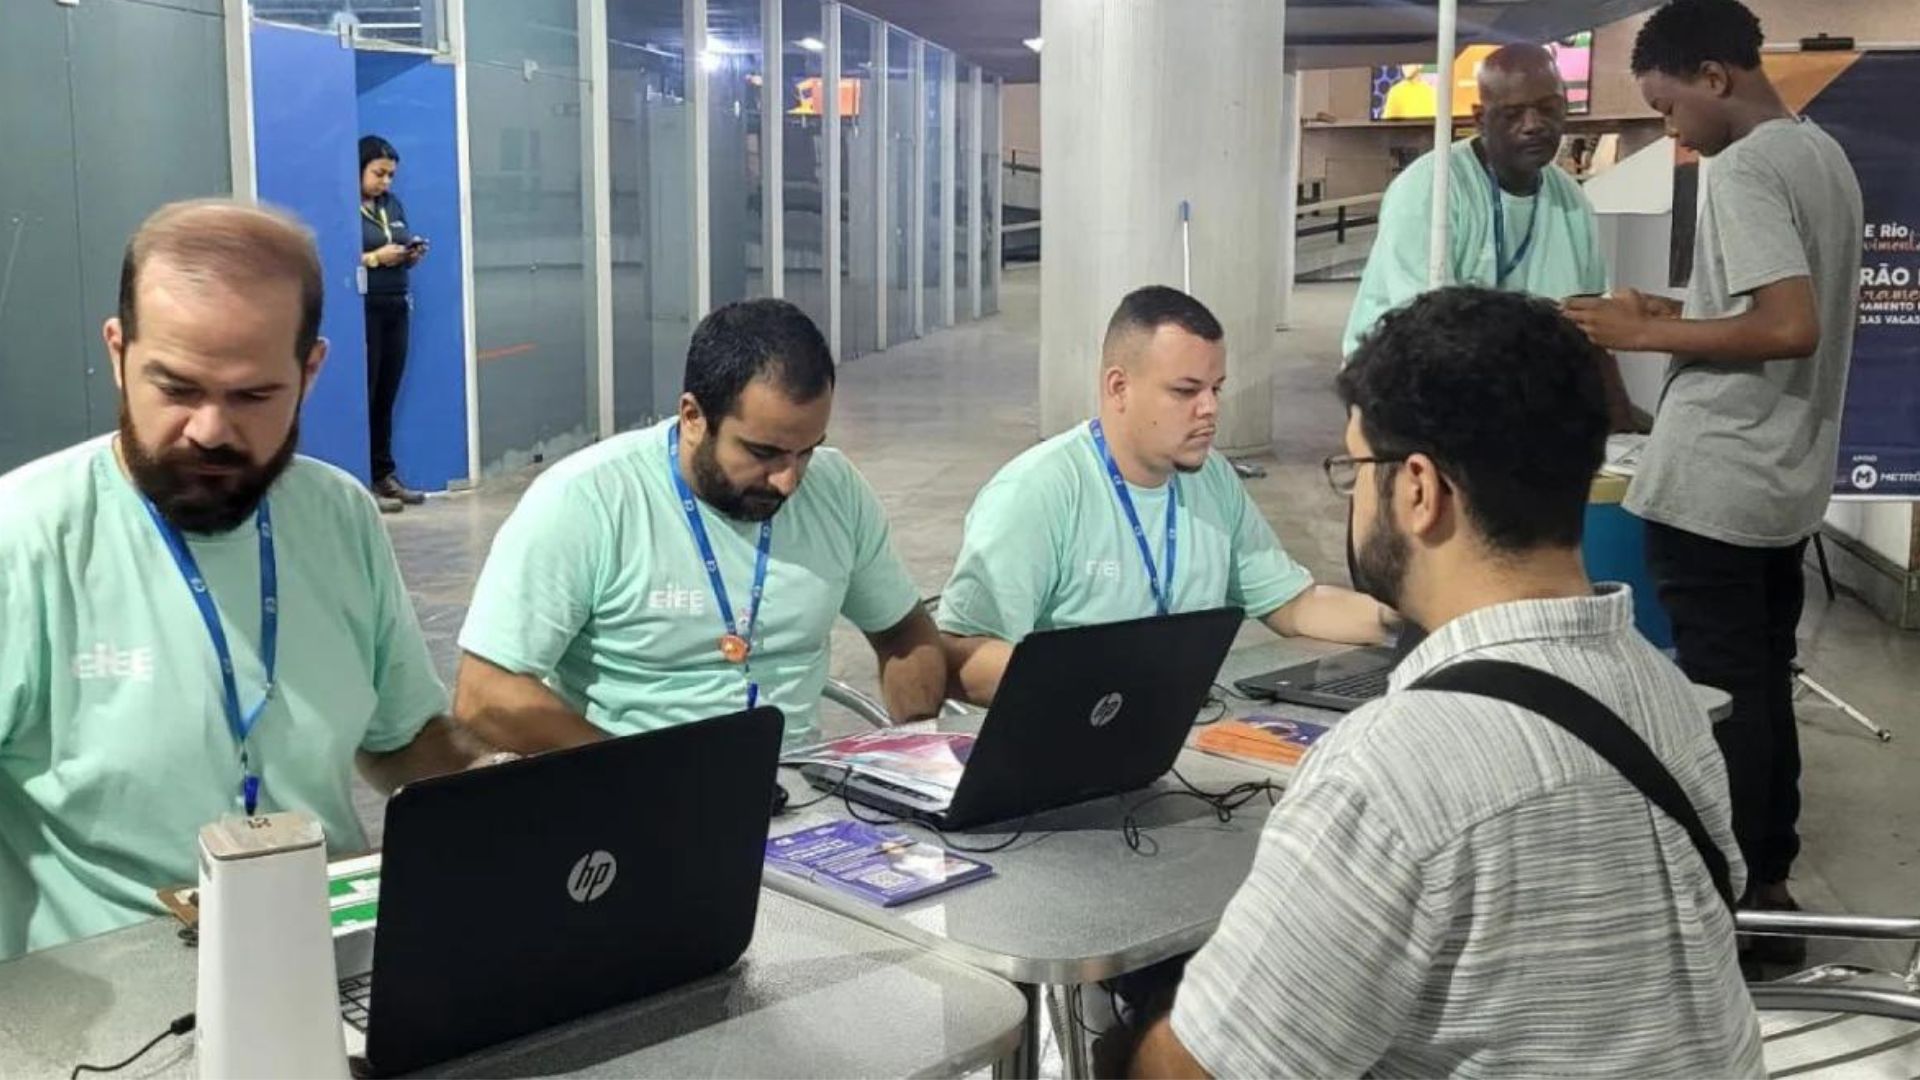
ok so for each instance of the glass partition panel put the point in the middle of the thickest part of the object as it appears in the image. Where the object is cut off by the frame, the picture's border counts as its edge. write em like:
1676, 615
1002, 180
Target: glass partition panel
989, 197
733, 64
966, 193
939, 68
860, 179
648, 144
803, 162
902, 144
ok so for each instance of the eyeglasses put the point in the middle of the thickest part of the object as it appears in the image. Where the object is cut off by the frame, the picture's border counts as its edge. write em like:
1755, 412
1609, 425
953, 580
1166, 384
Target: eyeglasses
1343, 470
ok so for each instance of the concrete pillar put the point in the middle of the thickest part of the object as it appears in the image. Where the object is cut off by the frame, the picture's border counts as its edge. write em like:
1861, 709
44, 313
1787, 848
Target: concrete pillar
1145, 103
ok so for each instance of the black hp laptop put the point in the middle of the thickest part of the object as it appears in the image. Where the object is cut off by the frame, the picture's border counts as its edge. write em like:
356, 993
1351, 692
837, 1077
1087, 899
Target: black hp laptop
1080, 713
519, 896
1342, 682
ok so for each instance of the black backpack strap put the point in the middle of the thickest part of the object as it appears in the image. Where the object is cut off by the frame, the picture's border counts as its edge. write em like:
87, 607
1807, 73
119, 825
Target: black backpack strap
1586, 719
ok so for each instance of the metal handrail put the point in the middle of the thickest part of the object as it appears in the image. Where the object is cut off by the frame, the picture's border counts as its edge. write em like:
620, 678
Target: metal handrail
868, 708
1858, 1000
1812, 924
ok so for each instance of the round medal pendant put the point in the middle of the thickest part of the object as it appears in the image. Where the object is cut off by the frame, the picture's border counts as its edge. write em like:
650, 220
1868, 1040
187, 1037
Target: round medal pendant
734, 648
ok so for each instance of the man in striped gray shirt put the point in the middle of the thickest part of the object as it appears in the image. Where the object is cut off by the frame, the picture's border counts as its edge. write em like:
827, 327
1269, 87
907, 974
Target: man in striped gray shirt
1454, 885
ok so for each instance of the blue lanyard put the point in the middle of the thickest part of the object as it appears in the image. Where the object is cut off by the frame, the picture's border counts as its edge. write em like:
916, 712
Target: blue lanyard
238, 724
1162, 597
745, 627
1501, 265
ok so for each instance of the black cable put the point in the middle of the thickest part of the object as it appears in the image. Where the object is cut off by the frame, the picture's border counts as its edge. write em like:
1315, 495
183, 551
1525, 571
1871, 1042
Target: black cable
179, 1027
1223, 804
1078, 1014
839, 789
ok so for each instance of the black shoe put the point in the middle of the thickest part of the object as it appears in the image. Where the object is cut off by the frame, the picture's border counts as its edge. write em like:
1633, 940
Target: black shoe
388, 505
390, 487
1769, 949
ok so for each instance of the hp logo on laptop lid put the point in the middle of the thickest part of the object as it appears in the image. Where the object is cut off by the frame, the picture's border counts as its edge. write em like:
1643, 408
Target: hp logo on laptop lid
1108, 708
591, 877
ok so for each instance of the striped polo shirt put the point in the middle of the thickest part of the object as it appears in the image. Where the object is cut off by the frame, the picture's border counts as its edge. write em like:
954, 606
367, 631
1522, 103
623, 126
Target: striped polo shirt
1453, 885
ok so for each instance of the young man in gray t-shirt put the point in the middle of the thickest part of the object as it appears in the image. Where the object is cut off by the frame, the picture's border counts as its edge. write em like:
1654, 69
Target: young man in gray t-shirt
1737, 474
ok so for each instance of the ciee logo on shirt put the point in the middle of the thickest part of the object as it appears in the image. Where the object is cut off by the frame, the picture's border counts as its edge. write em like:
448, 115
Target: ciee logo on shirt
1105, 569
591, 876
103, 661
677, 598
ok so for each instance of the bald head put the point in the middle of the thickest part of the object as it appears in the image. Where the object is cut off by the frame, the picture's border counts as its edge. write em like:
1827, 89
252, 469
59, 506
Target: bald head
1521, 114
225, 245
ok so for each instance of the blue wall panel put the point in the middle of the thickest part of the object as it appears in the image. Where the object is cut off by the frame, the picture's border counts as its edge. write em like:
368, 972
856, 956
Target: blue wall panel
408, 100
306, 147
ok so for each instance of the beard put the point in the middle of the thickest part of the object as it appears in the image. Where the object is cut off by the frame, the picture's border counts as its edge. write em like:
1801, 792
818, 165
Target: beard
195, 502
1379, 567
741, 504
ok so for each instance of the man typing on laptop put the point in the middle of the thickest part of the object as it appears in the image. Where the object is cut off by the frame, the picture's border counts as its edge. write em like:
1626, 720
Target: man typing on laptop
695, 568
1131, 514
1454, 883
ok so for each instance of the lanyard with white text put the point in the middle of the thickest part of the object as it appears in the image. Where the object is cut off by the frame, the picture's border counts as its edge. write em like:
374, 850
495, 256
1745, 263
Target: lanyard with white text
239, 725
1501, 266
1162, 597
736, 645
381, 221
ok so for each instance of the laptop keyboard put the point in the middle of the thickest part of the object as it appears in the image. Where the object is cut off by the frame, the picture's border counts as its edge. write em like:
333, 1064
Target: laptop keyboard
356, 996
1364, 686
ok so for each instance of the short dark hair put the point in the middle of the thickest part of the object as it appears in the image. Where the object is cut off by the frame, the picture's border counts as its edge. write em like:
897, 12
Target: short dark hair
1149, 309
373, 148
1680, 36
755, 339
219, 241
1503, 393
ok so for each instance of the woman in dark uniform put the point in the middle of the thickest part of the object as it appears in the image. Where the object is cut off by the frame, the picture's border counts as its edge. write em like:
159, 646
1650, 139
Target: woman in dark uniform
388, 248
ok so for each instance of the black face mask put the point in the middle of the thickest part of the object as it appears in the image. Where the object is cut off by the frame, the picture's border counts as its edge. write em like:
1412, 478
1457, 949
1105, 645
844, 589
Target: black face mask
741, 504
202, 504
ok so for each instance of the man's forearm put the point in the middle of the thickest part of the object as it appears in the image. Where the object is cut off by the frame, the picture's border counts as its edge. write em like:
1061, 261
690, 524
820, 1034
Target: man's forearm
1332, 614
976, 665
913, 667
517, 712
1748, 338
441, 747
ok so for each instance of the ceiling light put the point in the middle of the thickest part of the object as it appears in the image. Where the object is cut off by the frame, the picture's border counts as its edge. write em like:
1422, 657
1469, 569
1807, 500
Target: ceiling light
710, 60
1032, 43
812, 44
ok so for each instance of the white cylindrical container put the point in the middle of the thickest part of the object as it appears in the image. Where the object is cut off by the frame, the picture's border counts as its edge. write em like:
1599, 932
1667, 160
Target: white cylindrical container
268, 996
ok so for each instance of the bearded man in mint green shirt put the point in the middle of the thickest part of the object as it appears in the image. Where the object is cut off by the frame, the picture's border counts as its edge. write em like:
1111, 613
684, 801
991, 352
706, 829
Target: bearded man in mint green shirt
1050, 543
119, 735
681, 572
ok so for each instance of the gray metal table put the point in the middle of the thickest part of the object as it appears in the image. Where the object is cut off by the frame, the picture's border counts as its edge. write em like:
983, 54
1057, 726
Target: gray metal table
815, 995
1070, 904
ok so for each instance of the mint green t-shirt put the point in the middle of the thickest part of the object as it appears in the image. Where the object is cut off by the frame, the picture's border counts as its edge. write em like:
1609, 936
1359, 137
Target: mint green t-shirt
1563, 260
595, 584
1048, 546
114, 748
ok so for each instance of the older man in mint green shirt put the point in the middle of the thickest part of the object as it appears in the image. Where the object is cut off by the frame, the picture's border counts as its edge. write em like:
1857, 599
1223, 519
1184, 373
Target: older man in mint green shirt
597, 613
116, 742
1050, 542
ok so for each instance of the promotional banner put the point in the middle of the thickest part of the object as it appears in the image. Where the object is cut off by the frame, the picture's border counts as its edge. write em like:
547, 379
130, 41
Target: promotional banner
1868, 109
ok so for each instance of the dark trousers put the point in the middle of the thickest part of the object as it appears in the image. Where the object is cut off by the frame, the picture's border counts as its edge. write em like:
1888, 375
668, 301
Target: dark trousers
1734, 612
387, 318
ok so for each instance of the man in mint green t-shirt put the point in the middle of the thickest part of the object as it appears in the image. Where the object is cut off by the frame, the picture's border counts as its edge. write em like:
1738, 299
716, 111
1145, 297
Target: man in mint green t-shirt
1051, 540
119, 737
683, 571
1542, 240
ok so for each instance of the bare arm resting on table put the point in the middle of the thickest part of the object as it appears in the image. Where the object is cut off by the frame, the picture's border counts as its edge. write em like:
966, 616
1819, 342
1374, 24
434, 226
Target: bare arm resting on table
977, 664
441, 747
913, 667
516, 712
1333, 614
